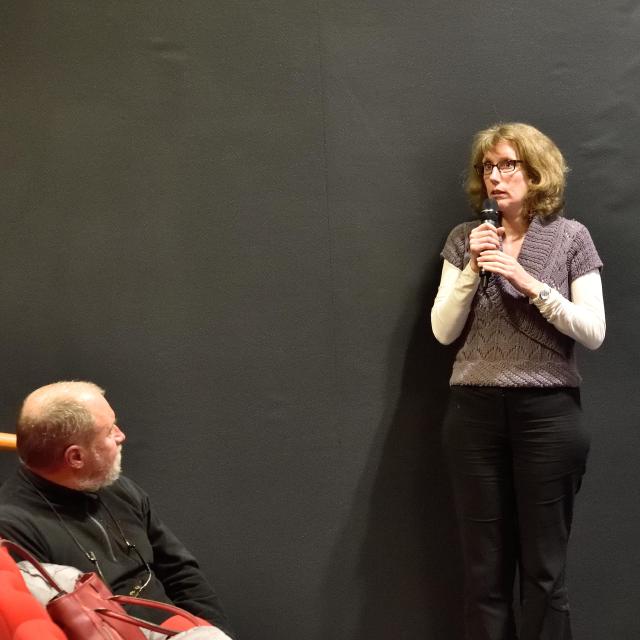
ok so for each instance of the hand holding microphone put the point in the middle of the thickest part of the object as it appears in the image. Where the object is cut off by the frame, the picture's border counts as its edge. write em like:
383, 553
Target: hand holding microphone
484, 237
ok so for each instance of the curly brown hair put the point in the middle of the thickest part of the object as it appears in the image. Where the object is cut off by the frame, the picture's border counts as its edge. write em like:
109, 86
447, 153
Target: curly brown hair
545, 166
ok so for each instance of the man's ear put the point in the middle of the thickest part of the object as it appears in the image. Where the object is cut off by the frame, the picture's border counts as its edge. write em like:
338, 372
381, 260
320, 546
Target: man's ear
74, 456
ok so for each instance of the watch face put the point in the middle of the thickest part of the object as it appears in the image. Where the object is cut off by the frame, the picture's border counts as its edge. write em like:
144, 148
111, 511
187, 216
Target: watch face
544, 293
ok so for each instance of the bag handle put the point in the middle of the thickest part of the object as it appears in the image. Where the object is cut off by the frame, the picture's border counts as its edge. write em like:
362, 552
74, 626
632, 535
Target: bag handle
138, 622
25, 555
164, 606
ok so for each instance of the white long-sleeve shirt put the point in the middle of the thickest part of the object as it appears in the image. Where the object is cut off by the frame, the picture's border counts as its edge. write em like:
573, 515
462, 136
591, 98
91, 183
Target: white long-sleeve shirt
581, 318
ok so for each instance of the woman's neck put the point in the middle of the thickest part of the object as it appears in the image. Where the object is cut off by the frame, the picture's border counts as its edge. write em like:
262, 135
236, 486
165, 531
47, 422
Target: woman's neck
515, 226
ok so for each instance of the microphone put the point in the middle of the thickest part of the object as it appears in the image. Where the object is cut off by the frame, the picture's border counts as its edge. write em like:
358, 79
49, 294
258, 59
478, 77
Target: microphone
489, 214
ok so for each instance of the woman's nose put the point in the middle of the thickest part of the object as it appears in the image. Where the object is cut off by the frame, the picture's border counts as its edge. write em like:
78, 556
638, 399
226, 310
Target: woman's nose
494, 176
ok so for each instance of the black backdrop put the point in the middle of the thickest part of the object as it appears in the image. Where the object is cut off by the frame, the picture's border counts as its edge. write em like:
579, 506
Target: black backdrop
229, 214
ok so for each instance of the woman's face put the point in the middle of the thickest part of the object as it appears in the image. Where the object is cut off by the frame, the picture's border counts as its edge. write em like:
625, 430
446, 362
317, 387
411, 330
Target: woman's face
507, 189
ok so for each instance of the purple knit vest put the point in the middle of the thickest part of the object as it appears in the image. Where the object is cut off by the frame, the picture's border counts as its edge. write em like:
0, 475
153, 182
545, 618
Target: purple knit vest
506, 342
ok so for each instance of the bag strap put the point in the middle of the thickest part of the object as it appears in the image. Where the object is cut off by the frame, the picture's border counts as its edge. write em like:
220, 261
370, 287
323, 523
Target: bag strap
25, 555
154, 604
141, 602
138, 622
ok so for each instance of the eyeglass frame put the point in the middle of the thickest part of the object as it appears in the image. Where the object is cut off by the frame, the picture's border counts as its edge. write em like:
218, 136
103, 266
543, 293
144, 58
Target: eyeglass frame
140, 584
481, 169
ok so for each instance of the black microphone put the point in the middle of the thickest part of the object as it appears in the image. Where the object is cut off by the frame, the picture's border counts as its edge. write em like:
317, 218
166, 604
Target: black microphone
489, 214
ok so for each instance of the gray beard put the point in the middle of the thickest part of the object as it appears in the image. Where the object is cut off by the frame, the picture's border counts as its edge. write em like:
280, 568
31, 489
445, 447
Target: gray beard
96, 483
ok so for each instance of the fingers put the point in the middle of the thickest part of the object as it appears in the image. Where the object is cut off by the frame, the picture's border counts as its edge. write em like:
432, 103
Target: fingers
484, 238
497, 262
500, 263
509, 268
494, 257
486, 229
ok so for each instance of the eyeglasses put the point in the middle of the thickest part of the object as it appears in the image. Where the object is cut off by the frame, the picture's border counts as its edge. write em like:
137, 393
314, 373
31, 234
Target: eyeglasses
504, 167
140, 584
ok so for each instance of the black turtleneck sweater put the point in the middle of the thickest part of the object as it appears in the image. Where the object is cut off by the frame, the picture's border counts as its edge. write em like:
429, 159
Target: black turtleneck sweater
77, 523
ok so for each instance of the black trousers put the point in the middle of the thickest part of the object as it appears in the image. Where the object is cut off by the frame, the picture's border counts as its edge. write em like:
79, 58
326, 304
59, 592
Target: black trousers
517, 457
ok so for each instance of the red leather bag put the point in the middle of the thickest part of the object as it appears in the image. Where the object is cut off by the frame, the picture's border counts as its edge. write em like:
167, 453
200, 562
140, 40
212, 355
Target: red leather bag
92, 612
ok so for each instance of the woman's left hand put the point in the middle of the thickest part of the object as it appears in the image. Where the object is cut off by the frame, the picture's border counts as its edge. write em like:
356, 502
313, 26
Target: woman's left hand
508, 267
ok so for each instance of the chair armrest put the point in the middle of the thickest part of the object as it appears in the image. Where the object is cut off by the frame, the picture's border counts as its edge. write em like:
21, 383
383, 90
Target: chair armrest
7, 441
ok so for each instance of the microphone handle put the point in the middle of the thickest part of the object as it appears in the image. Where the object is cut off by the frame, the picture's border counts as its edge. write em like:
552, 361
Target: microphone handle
485, 275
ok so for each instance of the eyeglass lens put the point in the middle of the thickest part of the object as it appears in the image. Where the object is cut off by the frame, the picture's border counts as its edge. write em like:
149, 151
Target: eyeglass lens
504, 166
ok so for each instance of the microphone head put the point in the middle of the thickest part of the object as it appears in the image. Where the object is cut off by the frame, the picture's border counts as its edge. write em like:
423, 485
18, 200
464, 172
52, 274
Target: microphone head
489, 211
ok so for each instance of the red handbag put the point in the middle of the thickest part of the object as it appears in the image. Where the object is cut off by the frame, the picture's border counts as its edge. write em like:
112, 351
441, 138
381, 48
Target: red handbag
92, 612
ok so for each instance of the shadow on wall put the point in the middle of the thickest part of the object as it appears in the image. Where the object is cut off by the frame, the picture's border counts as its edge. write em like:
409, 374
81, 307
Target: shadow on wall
396, 571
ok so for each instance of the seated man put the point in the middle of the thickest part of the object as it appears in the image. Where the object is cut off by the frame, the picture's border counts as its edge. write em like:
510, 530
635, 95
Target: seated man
68, 505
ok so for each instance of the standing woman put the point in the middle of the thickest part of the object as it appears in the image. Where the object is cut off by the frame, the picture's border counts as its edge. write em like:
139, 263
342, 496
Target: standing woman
513, 432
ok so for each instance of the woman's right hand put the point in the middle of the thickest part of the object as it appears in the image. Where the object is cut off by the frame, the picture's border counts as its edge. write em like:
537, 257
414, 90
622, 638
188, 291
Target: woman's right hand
484, 237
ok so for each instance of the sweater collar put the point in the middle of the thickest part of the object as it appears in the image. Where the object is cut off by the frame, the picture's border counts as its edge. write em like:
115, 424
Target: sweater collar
540, 245
56, 493
540, 241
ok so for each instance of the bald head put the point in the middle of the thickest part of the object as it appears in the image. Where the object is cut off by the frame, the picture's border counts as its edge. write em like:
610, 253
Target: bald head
52, 418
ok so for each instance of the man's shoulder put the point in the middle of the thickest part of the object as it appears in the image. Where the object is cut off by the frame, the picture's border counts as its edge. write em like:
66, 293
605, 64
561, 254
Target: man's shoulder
12, 490
19, 518
17, 501
15, 511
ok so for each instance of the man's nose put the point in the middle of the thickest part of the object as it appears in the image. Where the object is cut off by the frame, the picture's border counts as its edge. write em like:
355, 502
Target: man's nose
120, 437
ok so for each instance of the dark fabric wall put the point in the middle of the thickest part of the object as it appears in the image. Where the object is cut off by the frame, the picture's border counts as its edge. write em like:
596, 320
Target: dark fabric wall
230, 213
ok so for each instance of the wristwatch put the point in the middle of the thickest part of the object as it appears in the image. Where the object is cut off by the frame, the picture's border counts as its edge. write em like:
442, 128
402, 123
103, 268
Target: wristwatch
543, 294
